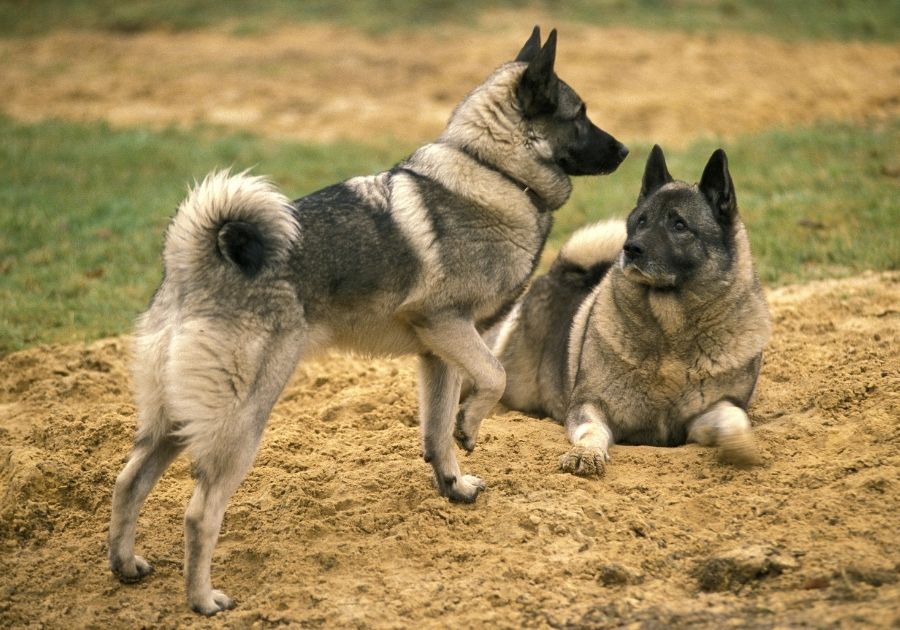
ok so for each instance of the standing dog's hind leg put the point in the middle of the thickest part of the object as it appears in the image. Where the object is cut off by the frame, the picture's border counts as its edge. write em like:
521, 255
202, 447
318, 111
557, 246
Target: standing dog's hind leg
223, 439
149, 459
218, 475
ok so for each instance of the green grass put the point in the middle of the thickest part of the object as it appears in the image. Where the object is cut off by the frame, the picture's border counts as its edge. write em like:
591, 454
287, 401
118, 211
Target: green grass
837, 19
818, 202
83, 208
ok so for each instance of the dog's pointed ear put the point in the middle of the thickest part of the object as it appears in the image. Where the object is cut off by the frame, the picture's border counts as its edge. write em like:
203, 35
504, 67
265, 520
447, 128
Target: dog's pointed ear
538, 90
531, 47
656, 173
717, 187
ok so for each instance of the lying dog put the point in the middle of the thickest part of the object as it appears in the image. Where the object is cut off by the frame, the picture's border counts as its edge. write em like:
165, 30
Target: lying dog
649, 332
417, 259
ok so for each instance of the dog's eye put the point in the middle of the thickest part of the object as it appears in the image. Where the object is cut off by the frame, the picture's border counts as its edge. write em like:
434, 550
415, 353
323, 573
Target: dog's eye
641, 220
679, 225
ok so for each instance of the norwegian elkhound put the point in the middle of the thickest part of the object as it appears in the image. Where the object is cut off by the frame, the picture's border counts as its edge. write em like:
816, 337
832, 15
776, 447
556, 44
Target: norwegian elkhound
649, 331
417, 259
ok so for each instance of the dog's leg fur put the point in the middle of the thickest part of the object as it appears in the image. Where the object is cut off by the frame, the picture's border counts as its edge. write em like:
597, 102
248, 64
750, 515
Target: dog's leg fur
225, 446
151, 456
458, 343
591, 437
439, 385
218, 476
728, 427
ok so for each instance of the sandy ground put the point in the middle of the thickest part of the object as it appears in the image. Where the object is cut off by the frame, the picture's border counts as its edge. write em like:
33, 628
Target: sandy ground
336, 525
325, 83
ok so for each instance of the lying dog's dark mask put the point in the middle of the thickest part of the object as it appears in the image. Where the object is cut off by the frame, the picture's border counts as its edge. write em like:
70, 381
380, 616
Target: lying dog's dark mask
679, 234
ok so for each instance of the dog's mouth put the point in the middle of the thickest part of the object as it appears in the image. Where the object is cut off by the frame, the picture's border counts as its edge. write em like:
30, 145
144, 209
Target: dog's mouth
648, 277
603, 164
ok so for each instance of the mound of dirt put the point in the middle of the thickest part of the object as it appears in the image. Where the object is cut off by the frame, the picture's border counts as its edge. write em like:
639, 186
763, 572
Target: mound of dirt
322, 82
337, 525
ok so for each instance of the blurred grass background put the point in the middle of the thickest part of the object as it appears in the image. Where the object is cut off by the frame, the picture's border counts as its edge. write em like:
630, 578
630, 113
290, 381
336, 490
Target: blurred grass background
832, 19
83, 206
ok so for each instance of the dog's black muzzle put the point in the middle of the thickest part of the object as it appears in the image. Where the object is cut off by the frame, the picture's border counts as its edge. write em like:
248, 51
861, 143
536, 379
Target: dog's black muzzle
633, 251
597, 153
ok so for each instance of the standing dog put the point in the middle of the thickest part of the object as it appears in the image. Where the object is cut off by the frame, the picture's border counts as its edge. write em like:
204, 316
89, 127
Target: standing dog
416, 259
649, 332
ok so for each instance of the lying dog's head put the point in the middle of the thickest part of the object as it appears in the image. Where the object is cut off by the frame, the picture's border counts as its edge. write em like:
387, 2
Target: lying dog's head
680, 234
557, 117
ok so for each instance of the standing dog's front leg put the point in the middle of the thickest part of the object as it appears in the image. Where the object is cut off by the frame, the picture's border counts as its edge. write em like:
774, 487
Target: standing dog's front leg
457, 342
590, 437
438, 397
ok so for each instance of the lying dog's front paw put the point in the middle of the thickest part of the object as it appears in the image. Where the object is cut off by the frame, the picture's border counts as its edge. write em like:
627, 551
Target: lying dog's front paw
585, 461
462, 489
739, 449
131, 571
213, 603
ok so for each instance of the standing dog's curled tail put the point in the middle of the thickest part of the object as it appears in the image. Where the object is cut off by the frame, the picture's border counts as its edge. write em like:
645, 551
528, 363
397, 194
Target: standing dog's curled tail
589, 253
228, 223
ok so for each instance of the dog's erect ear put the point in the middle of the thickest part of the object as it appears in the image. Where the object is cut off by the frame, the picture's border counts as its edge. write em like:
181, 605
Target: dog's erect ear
531, 47
656, 174
717, 187
538, 91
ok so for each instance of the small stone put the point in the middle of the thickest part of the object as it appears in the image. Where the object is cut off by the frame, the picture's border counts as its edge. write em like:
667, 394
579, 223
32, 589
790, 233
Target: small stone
816, 582
734, 568
617, 575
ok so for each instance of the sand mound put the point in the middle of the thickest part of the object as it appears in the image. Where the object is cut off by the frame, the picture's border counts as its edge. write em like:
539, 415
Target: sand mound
322, 82
336, 525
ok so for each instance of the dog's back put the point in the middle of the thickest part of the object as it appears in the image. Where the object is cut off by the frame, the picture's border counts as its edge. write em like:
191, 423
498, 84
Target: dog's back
532, 342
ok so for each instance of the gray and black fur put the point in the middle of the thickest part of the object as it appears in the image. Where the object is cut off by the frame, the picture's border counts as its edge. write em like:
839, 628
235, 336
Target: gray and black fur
417, 259
645, 332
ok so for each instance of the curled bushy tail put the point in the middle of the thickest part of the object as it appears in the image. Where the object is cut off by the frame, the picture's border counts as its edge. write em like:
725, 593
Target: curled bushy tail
228, 223
589, 253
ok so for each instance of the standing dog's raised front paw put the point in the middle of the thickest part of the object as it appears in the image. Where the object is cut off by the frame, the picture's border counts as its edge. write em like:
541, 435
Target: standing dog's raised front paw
464, 436
212, 604
462, 489
585, 461
130, 571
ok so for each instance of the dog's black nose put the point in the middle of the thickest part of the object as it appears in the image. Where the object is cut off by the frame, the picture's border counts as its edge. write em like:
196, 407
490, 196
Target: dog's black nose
623, 152
632, 250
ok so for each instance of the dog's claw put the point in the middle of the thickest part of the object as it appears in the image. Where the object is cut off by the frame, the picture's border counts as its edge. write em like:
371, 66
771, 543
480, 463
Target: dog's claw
584, 461
464, 442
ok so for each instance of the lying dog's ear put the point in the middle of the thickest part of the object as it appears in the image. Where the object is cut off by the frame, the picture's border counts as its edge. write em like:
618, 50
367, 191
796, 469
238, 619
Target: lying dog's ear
531, 47
656, 174
539, 88
717, 187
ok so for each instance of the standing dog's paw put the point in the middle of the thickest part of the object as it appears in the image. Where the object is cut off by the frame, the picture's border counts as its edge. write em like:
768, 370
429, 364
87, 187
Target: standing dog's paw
130, 572
464, 439
214, 603
463, 434
463, 489
585, 461
739, 449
